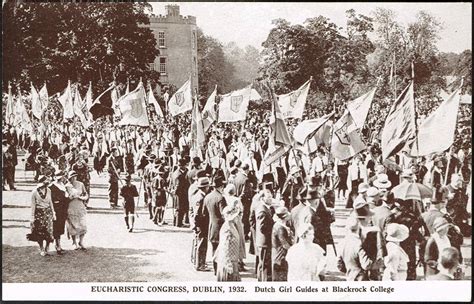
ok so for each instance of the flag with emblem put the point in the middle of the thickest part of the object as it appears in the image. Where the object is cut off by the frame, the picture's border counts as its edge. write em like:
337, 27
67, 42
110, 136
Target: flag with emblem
400, 125
311, 133
44, 98
360, 107
182, 100
292, 104
133, 108
154, 102
209, 114
346, 138
66, 101
36, 106
436, 132
233, 106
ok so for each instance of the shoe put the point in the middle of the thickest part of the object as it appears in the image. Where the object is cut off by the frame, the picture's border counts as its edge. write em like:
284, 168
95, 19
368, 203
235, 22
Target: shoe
202, 268
77, 247
13, 189
130, 230
43, 253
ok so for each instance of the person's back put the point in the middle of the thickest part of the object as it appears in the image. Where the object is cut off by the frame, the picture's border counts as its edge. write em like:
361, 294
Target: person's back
303, 260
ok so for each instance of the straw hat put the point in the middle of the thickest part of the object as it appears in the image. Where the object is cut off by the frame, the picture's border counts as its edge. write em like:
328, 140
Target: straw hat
281, 213
362, 209
441, 223
42, 181
373, 192
71, 174
397, 232
203, 182
363, 187
382, 181
230, 212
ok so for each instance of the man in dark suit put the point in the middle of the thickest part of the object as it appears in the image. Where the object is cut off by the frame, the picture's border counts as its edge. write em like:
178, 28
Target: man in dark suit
201, 224
244, 190
448, 265
180, 186
114, 176
214, 203
263, 237
9, 162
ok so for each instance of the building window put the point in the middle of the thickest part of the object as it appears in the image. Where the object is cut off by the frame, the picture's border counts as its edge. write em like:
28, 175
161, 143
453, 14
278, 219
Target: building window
194, 40
161, 39
151, 66
162, 68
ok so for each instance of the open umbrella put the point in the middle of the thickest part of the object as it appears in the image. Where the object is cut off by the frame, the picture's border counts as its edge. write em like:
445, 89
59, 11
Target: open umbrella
412, 191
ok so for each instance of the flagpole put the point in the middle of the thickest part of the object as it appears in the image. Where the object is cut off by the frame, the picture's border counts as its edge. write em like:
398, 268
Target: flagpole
394, 77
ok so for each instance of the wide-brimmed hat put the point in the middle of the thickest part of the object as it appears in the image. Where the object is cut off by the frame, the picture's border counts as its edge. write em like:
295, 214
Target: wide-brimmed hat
397, 232
303, 228
71, 174
407, 173
196, 160
218, 180
59, 173
281, 213
294, 170
230, 212
382, 181
441, 223
363, 187
362, 209
42, 181
203, 182
373, 192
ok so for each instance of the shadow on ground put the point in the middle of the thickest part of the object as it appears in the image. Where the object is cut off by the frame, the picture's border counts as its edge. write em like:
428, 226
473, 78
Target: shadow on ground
25, 265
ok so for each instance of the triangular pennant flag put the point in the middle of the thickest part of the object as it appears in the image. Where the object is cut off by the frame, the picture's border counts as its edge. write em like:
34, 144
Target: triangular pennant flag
209, 113
152, 100
436, 132
36, 106
233, 106
182, 100
360, 107
133, 108
346, 139
102, 105
292, 104
66, 101
400, 125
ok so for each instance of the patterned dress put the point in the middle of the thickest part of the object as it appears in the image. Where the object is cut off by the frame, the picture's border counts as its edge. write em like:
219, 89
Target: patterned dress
228, 253
42, 227
76, 213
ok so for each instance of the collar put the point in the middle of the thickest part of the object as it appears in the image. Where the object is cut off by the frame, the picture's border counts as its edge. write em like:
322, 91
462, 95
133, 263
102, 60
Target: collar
446, 273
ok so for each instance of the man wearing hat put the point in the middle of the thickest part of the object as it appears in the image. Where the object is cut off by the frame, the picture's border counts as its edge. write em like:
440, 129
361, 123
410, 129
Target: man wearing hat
316, 214
60, 199
456, 202
179, 187
114, 176
263, 236
405, 215
282, 239
214, 203
245, 190
201, 224
129, 192
293, 184
382, 182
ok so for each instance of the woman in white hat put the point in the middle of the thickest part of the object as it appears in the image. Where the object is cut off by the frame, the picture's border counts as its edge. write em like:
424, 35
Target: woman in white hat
76, 213
227, 254
436, 243
396, 260
305, 259
42, 216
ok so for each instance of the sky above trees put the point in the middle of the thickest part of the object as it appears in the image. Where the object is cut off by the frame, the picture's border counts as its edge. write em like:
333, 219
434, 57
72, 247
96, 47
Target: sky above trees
254, 20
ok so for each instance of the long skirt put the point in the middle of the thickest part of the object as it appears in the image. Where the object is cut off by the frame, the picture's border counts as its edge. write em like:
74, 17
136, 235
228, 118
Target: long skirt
42, 228
224, 276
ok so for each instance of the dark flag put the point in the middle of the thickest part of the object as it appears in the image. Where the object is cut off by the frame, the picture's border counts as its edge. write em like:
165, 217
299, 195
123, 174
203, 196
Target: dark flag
102, 105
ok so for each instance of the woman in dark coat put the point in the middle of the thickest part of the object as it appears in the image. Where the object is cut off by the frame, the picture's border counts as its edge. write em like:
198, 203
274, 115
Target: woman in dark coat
60, 199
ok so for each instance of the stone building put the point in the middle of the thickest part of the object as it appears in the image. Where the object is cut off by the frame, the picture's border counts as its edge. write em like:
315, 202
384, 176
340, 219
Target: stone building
176, 37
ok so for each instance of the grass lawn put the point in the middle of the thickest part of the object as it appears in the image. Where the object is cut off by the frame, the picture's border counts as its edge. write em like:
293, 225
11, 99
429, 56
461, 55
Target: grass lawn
25, 265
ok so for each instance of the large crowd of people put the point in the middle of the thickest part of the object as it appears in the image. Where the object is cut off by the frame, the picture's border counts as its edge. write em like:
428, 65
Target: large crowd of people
229, 196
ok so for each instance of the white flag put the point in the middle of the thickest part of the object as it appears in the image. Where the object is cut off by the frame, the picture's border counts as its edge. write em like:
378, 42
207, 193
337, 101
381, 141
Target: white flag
233, 106
43, 95
209, 114
293, 103
436, 132
154, 102
36, 106
346, 139
359, 108
66, 102
78, 108
133, 108
182, 100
